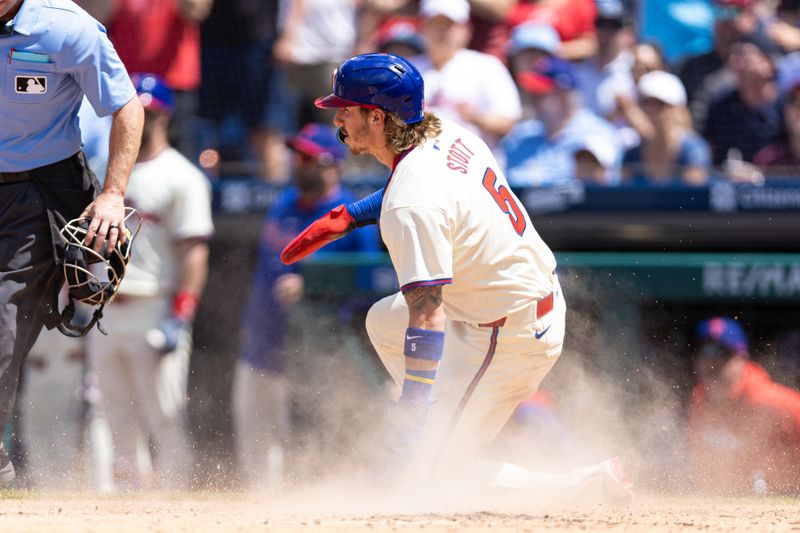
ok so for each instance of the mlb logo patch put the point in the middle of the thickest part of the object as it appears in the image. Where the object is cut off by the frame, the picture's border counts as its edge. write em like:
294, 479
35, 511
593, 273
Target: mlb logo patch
30, 85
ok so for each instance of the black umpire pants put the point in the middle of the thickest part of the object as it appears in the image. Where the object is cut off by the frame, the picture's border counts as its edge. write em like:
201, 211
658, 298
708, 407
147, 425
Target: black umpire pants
29, 222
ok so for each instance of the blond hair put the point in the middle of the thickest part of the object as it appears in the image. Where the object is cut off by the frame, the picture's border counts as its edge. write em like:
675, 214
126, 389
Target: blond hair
401, 136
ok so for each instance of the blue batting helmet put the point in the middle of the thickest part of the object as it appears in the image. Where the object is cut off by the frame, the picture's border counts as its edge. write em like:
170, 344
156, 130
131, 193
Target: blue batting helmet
382, 81
723, 332
154, 93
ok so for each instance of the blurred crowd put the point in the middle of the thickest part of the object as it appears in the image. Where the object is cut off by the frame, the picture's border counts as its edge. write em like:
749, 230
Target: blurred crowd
607, 91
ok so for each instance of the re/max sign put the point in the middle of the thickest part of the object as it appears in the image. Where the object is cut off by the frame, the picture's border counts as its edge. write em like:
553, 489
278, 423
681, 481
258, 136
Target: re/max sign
739, 279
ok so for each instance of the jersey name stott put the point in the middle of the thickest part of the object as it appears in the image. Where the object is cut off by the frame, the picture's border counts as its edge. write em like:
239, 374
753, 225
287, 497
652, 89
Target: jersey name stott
459, 156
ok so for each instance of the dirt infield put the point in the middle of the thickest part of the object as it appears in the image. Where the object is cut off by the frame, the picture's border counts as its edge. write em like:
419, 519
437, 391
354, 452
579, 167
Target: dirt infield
226, 512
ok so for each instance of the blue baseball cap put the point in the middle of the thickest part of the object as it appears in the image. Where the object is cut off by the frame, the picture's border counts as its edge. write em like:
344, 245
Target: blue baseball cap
153, 92
549, 74
318, 141
534, 35
720, 332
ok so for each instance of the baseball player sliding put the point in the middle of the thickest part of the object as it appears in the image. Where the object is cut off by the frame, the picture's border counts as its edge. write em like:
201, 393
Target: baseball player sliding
479, 319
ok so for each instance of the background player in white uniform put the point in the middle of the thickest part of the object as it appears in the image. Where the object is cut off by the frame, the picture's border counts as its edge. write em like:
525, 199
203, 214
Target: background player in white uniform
479, 293
142, 365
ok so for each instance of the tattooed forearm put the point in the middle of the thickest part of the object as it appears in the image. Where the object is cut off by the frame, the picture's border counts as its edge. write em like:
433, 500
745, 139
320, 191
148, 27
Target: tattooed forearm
425, 308
424, 298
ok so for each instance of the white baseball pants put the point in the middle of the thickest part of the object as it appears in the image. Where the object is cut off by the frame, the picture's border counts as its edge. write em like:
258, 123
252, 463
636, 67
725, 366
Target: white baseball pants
143, 393
484, 374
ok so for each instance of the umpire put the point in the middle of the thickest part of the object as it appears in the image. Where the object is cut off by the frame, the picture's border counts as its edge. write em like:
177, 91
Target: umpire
52, 53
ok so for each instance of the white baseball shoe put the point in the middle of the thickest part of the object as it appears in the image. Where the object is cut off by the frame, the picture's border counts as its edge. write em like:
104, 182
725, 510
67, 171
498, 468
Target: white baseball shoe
617, 487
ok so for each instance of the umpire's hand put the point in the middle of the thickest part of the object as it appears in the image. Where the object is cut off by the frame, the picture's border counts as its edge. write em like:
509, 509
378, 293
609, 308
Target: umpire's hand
107, 213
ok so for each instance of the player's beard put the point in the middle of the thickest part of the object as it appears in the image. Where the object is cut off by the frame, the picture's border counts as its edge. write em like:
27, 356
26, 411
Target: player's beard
357, 136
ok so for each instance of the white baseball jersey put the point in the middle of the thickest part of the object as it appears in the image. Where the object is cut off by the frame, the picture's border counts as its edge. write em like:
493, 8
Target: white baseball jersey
174, 199
448, 218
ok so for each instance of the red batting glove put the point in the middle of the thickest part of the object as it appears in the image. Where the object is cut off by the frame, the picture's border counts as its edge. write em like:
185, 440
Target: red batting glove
333, 225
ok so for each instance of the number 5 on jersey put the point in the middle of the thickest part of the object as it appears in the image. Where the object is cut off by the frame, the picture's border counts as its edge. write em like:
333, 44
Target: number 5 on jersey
504, 199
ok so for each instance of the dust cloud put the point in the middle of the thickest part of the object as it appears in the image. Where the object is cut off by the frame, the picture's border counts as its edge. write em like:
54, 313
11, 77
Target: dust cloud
602, 399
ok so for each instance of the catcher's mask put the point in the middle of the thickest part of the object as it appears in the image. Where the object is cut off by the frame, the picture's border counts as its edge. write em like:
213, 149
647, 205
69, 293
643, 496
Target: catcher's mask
91, 277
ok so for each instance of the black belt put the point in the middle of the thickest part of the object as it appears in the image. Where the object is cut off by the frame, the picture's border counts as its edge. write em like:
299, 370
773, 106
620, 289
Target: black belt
13, 177
27, 175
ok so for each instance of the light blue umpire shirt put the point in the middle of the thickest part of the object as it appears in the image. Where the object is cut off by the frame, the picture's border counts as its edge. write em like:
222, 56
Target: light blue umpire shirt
55, 53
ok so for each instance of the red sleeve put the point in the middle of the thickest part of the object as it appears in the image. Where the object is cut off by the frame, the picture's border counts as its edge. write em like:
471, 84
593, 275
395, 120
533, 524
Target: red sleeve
786, 403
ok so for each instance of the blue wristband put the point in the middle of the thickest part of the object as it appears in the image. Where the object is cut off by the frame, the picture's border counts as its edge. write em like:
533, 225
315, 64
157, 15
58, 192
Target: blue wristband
417, 386
424, 344
368, 209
